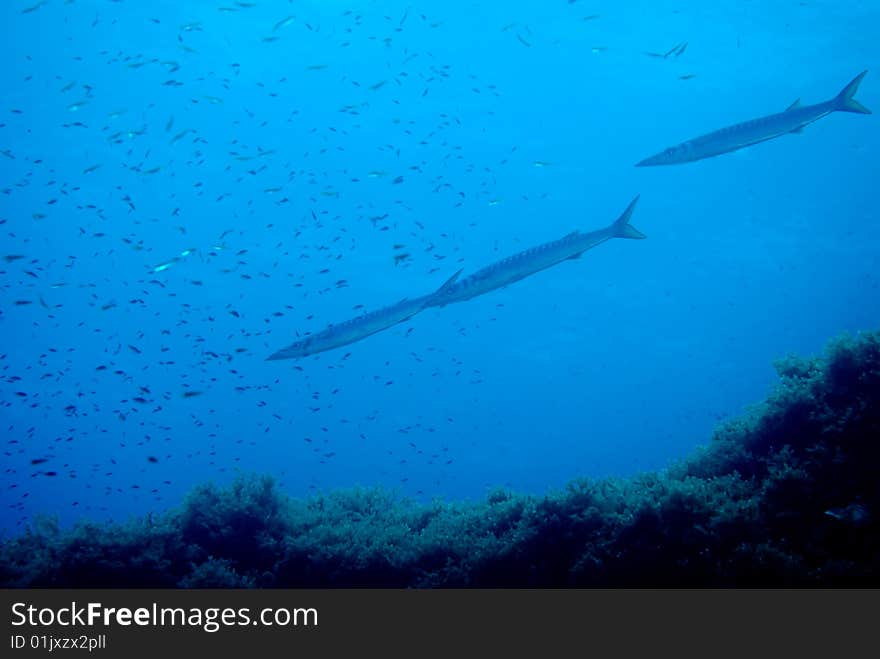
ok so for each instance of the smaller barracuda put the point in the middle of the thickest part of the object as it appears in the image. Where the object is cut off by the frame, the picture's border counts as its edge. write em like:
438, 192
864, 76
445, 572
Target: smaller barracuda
535, 259
336, 336
731, 138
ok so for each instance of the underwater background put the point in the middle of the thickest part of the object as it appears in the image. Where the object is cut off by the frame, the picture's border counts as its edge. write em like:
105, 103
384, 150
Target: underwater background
187, 186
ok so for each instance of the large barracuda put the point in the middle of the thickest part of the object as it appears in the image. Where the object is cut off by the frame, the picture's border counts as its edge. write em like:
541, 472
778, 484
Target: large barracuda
488, 279
533, 260
336, 336
731, 138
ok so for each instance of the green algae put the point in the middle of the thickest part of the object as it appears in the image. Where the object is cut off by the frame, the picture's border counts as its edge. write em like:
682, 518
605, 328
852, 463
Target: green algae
759, 505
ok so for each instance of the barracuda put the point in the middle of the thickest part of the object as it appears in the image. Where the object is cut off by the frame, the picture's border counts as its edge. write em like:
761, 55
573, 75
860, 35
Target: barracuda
341, 334
483, 281
533, 260
738, 136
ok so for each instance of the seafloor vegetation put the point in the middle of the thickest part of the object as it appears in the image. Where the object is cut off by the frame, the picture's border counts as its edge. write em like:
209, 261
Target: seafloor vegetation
786, 495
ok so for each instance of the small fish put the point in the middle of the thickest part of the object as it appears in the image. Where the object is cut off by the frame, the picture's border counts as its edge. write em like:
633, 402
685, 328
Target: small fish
32, 8
283, 23
676, 50
856, 514
181, 135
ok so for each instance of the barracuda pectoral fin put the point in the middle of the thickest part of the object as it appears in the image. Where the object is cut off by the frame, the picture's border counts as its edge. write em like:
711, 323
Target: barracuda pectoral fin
798, 130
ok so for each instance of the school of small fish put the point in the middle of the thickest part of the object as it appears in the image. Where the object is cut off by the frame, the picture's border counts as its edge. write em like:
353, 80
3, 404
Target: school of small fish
198, 306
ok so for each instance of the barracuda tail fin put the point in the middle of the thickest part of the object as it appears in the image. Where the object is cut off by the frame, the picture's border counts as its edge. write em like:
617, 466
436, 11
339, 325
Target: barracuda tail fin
844, 101
622, 228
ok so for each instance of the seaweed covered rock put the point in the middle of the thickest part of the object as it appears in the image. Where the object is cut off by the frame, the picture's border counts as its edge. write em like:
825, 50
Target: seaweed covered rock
785, 495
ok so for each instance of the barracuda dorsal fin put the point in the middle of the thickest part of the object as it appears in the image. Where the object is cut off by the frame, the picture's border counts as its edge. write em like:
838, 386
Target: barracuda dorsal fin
449, 282
796, 104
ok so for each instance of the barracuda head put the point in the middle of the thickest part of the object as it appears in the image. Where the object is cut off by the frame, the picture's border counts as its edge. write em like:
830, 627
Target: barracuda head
301, 348
672, 156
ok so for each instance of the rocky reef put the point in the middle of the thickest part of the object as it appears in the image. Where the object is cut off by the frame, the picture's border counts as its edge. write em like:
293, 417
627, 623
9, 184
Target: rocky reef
784, 495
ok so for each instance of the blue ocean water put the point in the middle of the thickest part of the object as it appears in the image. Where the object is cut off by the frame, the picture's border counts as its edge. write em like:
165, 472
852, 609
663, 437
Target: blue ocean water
188, 185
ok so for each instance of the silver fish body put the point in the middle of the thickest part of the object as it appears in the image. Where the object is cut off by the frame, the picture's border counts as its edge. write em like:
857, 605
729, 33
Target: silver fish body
533, 260
747, 133
483, 281
355, 329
